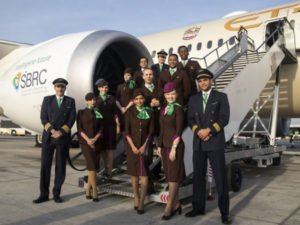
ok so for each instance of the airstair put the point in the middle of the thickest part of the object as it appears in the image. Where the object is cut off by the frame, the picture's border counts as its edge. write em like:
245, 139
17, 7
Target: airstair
241, 70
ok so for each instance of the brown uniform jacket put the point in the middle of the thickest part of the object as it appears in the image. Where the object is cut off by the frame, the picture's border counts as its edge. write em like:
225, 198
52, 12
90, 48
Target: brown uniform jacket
190, 68
150, 95
138, 78
182, 82
88, 124
108, 109
124, 94
138, 129
170, 127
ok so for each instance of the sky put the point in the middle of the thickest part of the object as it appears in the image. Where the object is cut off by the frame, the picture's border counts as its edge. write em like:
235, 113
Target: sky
33, 21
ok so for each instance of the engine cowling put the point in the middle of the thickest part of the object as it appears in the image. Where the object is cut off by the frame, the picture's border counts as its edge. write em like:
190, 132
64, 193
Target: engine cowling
81, 58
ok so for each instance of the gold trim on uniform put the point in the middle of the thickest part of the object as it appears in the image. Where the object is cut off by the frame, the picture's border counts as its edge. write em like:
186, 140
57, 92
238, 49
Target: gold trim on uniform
66, 128
194, 128
47, 125
217, 127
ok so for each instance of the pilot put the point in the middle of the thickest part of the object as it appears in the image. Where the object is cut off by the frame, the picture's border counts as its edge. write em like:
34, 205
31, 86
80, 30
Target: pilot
139, 126
179, 77
171, 147
190, 66
208, 114
58, 115
161, 65
90, 127
107, 106
138, 75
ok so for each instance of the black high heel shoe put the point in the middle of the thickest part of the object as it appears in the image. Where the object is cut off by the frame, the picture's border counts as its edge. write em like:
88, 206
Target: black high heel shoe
88, 197
179, 209
164, 217
95, 199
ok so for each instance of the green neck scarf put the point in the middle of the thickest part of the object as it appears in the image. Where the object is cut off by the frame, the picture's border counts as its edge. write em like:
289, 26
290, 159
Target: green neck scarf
104, 96
131, 83
96, 111
143, 113
171, 107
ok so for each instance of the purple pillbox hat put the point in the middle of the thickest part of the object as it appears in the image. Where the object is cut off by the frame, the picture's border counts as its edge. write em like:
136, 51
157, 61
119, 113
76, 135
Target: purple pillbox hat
170, 86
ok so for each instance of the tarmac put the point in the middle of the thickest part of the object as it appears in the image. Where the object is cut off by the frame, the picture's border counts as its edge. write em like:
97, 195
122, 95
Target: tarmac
268, 195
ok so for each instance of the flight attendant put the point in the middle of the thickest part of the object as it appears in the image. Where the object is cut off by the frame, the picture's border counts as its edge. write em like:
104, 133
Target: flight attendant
179, 77
90, 128
138, 75
171, 147
139, 126
161, 65
107, 106
58, 115
124, 95
189, 66
208, 114
150, 90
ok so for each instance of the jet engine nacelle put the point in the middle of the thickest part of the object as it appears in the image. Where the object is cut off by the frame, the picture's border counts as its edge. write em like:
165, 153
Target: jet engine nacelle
81, 58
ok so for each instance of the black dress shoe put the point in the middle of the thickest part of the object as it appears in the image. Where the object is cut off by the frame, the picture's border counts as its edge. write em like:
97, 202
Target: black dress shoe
194, 213
140, 211
135, 207
57, 199
226, 219
40, 200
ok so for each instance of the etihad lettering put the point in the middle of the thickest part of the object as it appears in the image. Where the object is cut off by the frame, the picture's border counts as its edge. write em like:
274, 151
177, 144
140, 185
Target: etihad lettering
253, 17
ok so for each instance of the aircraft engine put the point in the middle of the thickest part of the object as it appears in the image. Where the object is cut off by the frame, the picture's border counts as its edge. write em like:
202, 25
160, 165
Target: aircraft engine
81, 58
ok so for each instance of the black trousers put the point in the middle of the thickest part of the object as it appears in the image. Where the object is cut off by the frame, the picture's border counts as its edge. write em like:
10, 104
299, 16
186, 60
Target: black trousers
62, 151
217, 161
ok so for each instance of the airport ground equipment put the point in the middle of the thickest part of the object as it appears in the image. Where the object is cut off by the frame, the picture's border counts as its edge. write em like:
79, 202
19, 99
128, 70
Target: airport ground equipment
242, 71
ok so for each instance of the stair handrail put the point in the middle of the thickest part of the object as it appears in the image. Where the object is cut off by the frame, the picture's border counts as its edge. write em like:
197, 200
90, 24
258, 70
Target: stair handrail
277, 30
216, 50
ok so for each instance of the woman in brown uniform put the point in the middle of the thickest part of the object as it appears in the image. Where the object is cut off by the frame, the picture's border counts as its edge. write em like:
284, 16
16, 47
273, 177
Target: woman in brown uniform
179, 77
171, 147
107, 106
90, 127
139, 126
124, 95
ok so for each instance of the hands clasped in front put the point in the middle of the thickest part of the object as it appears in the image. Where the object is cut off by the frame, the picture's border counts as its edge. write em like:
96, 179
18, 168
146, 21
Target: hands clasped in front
56, 134
204, 134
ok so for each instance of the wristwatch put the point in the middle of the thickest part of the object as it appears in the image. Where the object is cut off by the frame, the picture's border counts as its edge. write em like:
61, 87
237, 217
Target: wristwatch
174, 146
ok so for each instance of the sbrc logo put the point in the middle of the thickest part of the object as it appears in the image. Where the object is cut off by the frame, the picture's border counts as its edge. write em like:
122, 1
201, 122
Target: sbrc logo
30, 79
16, 81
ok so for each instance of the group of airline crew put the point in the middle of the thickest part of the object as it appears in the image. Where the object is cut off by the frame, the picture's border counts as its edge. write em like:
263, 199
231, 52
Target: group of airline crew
151, 102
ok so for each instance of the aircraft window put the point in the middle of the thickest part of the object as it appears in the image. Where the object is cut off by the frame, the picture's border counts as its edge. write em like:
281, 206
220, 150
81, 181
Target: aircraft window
170, 51
189, 47
220, 42
199, 45
231, 40
153, 54
209, 44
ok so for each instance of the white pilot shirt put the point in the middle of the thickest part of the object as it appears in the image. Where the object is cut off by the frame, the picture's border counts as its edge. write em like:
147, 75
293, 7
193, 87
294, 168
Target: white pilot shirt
208, 93
62, 98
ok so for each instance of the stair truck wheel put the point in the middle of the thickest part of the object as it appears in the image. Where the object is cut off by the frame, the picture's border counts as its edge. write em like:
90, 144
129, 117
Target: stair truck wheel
234, 177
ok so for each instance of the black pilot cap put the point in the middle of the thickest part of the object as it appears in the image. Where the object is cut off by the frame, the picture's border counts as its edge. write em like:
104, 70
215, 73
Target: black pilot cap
203, 73
60, 81
162, 53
